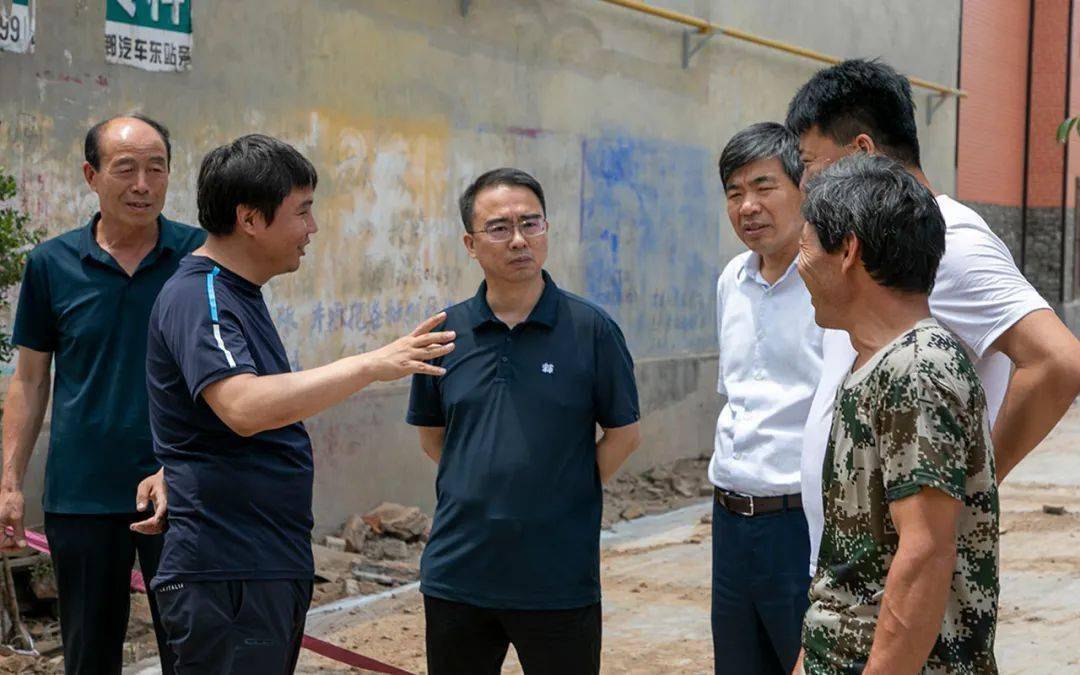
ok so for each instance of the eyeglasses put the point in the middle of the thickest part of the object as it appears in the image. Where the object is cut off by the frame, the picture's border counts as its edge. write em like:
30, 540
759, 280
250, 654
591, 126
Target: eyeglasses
504, 230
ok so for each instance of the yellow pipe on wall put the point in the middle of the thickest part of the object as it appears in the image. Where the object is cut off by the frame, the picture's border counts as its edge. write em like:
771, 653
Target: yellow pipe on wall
702, 25
706, 27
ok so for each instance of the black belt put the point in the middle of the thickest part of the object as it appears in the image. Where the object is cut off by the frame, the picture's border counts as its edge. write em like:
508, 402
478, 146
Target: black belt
747, 505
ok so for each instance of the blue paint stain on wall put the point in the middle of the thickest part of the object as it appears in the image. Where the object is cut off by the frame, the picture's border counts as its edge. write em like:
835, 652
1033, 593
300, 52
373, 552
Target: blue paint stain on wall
650, 243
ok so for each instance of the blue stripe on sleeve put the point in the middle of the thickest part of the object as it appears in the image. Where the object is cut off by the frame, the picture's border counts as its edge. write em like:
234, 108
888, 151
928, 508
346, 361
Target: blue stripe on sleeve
210, 293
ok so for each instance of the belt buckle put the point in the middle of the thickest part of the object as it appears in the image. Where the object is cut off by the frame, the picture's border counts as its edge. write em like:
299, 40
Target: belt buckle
749, 499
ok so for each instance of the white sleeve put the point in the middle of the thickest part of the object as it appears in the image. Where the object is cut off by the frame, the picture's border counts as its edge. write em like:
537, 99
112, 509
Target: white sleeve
979, 293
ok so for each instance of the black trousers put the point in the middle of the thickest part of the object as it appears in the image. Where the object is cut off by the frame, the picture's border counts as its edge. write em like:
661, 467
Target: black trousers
467, 640
236, 627
92, 557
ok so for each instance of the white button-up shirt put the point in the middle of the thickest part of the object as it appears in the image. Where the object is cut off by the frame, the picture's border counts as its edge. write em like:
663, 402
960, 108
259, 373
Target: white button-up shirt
770, 364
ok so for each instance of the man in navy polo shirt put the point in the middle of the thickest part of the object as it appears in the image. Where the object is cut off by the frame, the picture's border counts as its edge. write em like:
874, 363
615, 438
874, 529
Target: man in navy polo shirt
514, 554
236, 574
85, 299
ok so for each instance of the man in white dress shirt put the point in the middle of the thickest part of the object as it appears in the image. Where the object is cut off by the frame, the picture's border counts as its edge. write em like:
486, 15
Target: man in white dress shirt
770, 363
979, 294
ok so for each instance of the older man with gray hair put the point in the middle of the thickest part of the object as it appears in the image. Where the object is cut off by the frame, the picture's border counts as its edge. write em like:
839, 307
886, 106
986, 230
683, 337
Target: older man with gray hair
907, 574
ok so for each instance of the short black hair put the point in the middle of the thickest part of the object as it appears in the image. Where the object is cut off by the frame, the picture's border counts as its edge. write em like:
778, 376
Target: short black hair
897, 220
92, 142
254, 170
495, 177
763, 140
855, 97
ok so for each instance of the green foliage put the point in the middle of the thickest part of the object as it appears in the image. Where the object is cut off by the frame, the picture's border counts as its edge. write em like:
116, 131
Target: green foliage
1067, 126
16, 240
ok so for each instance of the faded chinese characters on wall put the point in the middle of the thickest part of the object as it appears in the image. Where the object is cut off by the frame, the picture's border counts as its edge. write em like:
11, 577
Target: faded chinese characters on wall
152, 35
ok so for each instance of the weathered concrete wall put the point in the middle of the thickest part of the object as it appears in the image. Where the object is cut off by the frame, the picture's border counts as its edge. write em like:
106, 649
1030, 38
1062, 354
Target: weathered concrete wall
399, 104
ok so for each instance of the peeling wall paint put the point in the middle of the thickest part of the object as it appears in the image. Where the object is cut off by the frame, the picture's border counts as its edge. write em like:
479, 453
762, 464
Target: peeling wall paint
400, 104
650, 237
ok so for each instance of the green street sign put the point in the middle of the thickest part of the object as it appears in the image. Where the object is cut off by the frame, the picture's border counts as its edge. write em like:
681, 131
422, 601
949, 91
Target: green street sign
149, 34
173, 15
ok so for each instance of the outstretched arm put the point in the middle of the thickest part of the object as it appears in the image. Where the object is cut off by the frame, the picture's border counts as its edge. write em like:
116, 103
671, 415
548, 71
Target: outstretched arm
250, 403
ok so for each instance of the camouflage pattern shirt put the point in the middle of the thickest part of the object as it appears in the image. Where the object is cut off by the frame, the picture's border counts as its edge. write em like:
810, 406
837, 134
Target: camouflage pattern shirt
913, 416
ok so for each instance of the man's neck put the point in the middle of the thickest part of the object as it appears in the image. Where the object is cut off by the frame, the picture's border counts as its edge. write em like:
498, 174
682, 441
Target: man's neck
878, 320
772, 267
923, 180
226, 252
513, 302
114, 236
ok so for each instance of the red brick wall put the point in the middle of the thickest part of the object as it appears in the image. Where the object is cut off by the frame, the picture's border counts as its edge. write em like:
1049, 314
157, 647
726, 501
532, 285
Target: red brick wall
993, 70
1049, 54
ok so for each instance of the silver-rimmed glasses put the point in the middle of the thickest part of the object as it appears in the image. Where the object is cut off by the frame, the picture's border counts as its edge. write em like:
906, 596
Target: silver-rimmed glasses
503, 230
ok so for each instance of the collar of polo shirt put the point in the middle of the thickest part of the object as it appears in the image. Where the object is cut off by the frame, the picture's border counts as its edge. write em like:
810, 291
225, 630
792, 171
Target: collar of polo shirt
89, 248
544, 313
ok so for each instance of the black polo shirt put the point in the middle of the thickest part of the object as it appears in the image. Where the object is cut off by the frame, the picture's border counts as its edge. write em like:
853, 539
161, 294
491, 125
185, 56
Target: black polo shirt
517, 523
239, 507
79, 304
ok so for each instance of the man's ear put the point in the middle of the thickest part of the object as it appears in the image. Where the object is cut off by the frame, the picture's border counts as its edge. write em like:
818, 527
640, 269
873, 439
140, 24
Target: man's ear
470, 245
864, 143
89, 173
248, 219
851, 252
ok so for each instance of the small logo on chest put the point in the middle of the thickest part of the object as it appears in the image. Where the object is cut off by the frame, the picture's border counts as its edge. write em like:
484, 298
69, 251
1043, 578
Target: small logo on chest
547, 368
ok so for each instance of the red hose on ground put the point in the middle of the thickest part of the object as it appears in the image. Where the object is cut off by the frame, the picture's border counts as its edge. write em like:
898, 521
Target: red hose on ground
38, 542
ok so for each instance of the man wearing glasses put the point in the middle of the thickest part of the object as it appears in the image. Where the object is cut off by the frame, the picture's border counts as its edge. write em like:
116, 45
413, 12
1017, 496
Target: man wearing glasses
513, 556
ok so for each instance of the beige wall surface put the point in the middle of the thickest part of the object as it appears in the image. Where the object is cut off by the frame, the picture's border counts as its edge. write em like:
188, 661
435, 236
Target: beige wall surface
399, 103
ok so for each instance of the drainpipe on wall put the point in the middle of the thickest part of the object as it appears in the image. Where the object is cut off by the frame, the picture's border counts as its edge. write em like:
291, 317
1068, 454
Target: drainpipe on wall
1027, 141
1065, 166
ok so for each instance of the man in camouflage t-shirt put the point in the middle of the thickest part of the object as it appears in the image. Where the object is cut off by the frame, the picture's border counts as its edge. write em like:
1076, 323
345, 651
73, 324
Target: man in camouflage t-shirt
907, 578
912, 417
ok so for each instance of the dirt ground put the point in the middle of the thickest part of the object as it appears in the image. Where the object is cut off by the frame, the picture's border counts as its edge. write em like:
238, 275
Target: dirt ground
655, 572
656, 585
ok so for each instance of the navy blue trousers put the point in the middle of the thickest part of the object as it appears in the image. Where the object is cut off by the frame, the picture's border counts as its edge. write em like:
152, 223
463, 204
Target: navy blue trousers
760, 579
235, 627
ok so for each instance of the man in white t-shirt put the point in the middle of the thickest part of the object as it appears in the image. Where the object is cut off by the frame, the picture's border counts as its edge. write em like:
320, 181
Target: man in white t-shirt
979, 294
770, 363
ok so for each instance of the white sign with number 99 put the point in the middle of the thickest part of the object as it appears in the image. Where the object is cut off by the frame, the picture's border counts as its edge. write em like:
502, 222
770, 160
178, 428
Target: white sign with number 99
17, 27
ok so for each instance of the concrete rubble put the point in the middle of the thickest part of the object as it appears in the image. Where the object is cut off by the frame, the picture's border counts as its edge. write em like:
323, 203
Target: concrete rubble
663, 488
373, 551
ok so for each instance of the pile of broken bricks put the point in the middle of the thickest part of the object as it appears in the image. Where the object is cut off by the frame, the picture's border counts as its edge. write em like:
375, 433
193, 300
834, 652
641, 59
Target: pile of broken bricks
663, 488
373, 551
